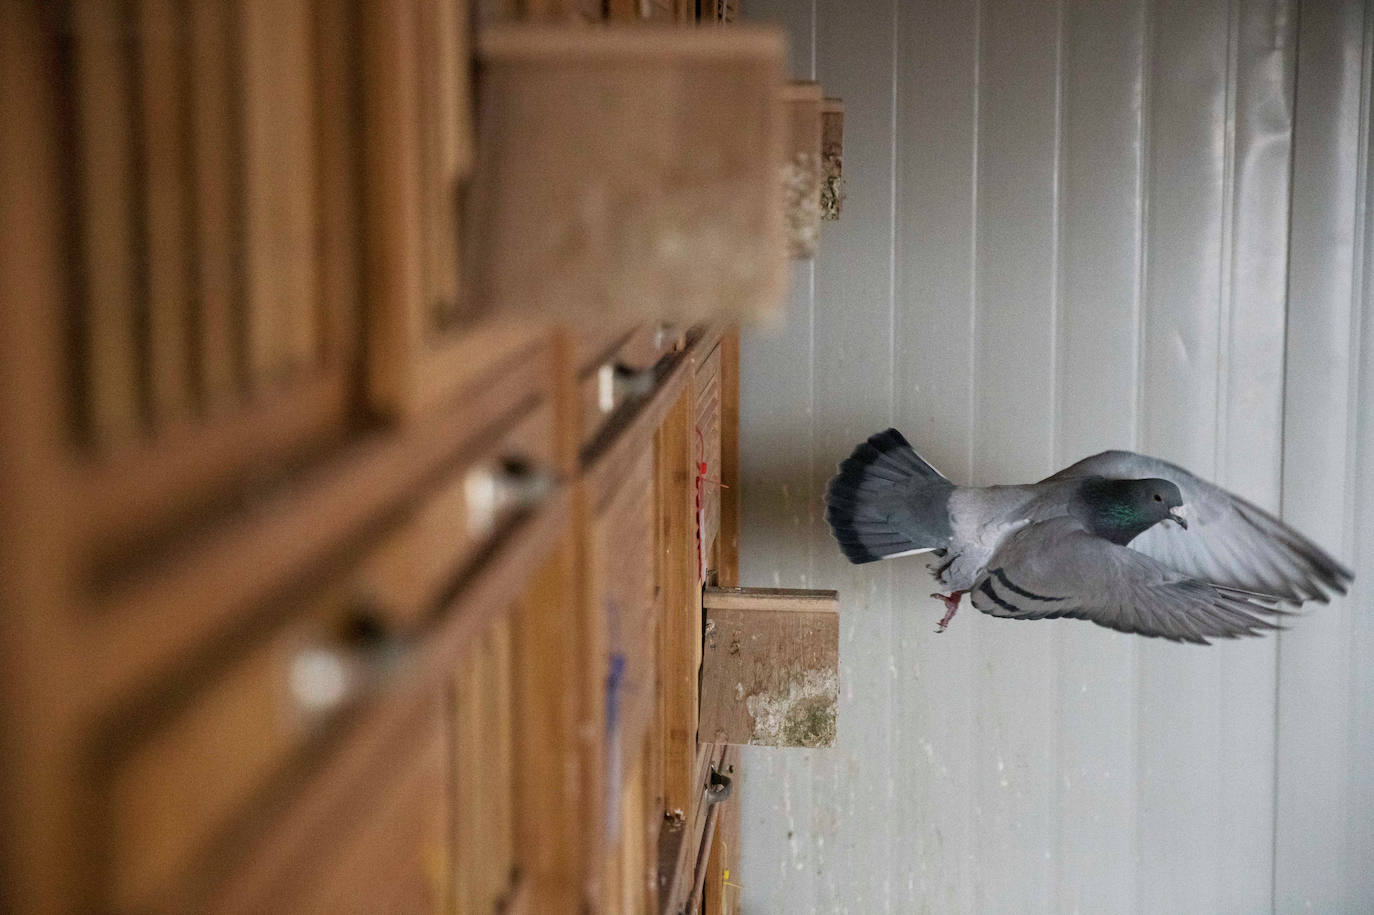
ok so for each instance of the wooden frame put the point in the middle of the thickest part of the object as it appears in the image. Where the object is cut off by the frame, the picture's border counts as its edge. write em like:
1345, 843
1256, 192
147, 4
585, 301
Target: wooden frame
270, 448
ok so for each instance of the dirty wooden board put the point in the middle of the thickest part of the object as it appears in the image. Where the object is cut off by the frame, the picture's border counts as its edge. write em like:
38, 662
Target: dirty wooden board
770, 667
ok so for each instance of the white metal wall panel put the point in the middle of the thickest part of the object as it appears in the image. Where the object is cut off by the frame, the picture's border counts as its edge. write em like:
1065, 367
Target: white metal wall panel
936, 693
1179, 699
1250, 415
843, 797
1016, 248
1322, 680
1068, 229
853, 371
1101, 233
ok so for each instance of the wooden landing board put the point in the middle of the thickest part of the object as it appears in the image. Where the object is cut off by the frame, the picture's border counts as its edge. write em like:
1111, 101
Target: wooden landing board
770, 667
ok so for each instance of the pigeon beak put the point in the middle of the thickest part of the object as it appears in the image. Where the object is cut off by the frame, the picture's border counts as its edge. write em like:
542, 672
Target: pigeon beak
1180, 515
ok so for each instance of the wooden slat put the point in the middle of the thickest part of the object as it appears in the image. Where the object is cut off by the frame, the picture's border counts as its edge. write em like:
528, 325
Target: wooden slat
469, 872
591, 650
165, 107
395, 260
503, 759
216, 164
706, 450
680, 630
721, 892
277, 51
771, 599
339, 139
727, 538
39, 812
679, 845
105, 112
551, 805
441, 103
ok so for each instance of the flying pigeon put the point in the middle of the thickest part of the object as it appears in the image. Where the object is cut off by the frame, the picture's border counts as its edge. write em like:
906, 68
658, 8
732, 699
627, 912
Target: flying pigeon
1127, 541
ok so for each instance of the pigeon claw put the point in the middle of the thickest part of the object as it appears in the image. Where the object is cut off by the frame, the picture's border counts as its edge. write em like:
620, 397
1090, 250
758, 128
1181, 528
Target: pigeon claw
951, 601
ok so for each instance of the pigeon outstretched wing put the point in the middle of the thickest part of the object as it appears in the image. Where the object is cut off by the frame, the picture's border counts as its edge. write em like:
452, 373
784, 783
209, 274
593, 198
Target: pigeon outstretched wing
1228, 541
1057, 568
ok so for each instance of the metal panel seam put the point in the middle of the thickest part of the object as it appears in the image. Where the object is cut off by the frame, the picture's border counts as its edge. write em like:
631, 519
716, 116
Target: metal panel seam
1056, 415
1283, 451
1227, 260
1143, 155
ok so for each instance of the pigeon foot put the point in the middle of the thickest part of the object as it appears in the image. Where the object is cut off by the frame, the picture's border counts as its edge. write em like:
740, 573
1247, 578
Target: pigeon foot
951, 607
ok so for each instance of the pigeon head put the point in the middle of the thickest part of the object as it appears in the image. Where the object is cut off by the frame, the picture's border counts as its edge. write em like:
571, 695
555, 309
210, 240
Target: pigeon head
1121, 510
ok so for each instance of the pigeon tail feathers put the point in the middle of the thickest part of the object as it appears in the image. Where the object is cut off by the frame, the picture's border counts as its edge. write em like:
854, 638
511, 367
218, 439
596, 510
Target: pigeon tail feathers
886, 501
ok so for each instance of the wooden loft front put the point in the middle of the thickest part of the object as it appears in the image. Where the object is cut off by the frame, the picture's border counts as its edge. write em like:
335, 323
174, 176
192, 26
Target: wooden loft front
369, 413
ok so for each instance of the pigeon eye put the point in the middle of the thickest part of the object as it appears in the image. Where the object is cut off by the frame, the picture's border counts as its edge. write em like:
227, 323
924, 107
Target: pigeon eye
1158, 498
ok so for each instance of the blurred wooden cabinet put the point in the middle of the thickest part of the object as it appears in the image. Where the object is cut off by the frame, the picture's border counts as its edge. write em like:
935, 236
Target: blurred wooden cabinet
329, 581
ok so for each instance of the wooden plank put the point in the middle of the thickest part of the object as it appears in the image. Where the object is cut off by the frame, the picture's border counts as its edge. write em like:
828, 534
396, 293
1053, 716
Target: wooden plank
590, 651
165, 107
441, 66
277, 52
217, 164
706, 443
503, 760
393, 181
727, 538
680, 841
452, 519
721, 893
111, 309
634, 856
551, 805
40, 867
770, 667
470, 807
771, 599
339, 142
680, 630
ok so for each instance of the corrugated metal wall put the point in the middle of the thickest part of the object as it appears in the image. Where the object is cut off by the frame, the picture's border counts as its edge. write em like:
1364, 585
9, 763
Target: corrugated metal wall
1072, 226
